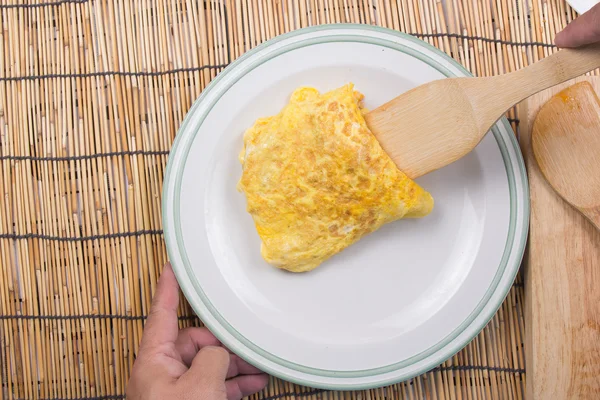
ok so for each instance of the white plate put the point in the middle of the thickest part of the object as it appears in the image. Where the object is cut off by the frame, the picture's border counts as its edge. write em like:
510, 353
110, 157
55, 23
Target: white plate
582, 6
390, 307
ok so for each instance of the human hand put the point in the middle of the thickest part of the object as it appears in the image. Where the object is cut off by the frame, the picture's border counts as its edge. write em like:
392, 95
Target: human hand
583, 30
187, 364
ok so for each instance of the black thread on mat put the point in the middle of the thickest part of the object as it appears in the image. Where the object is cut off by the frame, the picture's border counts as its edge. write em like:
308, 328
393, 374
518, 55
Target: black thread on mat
88, 156
39, 5
112, 73
295, 394
105, 397
89, 316
481, 38
478, 368
81, 238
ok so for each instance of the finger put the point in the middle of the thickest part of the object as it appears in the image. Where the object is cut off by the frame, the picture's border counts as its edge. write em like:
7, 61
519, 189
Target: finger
161, 326
245, 385
584, 30
237, 366
209, 367
191, 340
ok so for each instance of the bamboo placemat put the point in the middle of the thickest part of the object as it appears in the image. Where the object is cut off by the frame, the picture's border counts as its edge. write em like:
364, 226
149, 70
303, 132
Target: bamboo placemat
91, 95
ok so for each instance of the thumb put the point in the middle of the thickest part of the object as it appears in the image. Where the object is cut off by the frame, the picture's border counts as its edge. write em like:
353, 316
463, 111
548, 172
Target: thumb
161, 326
582, 31
209, 368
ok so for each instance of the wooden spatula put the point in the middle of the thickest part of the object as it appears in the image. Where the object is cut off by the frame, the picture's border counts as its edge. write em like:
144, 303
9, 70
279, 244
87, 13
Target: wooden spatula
437, 123
566, 145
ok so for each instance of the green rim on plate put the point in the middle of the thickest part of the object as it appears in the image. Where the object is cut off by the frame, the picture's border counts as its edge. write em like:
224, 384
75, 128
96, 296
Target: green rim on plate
244, 347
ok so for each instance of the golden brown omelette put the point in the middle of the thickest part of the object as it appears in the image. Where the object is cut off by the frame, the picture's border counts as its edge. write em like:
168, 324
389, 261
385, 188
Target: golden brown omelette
316, 180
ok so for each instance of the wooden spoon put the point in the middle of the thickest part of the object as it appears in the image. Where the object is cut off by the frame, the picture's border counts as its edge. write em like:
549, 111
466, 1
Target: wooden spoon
566, 145
437, 123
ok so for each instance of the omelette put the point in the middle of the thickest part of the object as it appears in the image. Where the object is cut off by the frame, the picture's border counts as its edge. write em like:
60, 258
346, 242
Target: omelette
316, 180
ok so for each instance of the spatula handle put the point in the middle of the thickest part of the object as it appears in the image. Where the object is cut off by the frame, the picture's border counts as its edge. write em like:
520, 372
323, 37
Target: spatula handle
555, 69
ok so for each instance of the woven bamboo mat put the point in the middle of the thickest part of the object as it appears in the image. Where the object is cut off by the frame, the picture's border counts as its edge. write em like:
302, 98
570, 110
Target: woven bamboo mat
91, 96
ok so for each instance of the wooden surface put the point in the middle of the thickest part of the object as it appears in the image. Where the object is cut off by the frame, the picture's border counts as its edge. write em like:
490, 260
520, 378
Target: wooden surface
565, 139
562, 287
420, 141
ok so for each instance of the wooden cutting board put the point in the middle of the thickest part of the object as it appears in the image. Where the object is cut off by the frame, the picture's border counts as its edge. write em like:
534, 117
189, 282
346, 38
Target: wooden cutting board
562, 284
